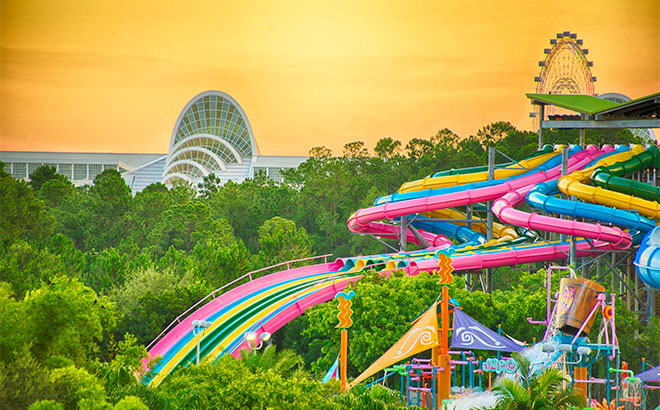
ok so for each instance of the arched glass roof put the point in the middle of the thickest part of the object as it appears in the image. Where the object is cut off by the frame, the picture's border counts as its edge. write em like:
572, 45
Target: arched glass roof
211, 132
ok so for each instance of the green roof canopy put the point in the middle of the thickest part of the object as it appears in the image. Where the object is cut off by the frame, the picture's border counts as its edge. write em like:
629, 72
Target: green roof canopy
584, 104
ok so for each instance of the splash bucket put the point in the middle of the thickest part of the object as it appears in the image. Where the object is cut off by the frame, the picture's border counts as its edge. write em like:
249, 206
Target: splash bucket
577, 297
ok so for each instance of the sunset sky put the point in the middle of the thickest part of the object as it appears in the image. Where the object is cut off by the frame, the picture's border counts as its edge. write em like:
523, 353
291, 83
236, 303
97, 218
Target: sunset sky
112, 76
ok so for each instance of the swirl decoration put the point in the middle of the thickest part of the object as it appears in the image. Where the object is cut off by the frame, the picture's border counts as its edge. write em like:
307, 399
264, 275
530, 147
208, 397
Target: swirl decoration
422, 336
496, 365
474, 335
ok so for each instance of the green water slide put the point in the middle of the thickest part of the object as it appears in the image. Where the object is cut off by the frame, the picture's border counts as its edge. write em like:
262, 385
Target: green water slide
610, 177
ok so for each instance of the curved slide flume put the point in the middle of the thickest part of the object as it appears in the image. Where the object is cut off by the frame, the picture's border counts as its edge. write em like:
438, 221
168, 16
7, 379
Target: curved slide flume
647, 259
265, 305
269, 302
610, 177
179, 341
432, 200
576, 184
504, 208
460, 178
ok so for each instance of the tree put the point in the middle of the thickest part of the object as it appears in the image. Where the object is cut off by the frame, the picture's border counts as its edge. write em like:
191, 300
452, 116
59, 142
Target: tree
75, 388
130, 403
320, 152
22, 215
183, 225
210, 185
218, 263
27, 267
387, 148
42, 175
536, 391
66, 318
150, 299
280, 241
231, 384
355, 149
490, 134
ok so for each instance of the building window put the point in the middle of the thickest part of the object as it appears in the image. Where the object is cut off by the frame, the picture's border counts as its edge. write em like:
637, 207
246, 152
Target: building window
94, 170
275, 174
32, 167
18, 170
64, 169
79, 172
109, 166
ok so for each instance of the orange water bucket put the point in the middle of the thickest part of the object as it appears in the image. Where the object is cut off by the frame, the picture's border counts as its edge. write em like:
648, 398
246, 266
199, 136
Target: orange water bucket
577, 297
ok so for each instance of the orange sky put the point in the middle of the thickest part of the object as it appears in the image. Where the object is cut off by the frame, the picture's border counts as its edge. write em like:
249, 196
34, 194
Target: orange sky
112, 76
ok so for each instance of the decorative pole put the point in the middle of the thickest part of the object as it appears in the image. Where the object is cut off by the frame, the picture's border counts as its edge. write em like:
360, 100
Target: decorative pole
345, 322
440, 354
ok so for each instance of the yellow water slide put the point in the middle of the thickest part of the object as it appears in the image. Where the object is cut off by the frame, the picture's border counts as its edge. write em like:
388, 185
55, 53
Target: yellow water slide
577, 184
512, 170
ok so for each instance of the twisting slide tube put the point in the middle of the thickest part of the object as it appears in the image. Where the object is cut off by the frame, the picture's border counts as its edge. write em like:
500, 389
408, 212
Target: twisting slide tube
268, 303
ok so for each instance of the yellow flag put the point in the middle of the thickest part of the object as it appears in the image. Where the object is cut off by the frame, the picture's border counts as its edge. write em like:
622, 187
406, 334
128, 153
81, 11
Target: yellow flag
422, 336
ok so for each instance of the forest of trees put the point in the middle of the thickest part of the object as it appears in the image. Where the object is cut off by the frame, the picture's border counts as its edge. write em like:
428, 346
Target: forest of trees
90, 275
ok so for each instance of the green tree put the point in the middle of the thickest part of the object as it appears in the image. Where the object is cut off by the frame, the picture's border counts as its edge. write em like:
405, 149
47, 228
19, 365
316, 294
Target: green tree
183, 225
146, 211
150, 299
218, 263
490, 134
75, 388
280, 241
22, 215
54, 191
387, 148
42, 175
230, 384
26, 267
130, 403
46, 405
23, 381
66, 318
536, 391
247, 205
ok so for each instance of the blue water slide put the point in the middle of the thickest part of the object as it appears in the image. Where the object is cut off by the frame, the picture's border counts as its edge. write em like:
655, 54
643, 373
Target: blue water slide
647, 259
549, 164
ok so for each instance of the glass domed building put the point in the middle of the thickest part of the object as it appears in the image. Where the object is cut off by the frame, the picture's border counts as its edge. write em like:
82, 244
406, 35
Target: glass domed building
213, 136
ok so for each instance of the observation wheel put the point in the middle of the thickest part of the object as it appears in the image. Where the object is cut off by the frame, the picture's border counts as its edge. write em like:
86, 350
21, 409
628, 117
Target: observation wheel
565, 70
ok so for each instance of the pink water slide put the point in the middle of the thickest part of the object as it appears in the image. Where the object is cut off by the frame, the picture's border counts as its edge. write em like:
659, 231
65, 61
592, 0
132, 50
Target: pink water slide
362, 220
169, 340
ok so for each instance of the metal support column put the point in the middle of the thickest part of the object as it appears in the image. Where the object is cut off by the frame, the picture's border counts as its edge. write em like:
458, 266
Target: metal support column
564, 171
572, 250
403, 235
489, 215
541, 116
468, 276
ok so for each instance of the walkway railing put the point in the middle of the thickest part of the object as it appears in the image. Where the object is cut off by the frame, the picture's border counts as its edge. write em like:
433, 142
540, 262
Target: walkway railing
226, 285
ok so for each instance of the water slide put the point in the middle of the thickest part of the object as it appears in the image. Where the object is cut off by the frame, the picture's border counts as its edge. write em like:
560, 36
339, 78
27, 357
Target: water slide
432, 198
268, 303
647, 259
265, 305
610, 177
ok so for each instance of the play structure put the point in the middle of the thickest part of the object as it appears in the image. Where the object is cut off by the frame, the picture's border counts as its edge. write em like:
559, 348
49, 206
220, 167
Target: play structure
451, 375
592, 202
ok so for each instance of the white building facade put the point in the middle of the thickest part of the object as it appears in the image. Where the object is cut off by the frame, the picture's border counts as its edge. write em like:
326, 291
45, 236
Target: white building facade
212, 135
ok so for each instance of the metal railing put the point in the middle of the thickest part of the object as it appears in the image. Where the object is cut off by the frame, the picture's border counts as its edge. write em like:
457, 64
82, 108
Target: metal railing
177, 320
